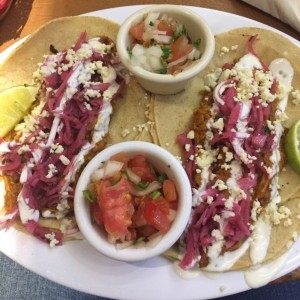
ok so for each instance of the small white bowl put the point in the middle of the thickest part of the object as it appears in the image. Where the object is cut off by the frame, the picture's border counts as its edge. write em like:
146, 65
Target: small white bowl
167, 84
164, 162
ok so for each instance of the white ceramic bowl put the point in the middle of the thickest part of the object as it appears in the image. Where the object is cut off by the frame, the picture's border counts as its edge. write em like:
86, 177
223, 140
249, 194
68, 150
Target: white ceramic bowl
167, 84
163, 161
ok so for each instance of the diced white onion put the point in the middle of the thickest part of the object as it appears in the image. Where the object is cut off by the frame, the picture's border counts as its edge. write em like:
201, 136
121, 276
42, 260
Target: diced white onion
164, 39
109, 169
138, 50
160, 32
133, 177
154, 62
155, 51
153, 186
191, 55
151, 18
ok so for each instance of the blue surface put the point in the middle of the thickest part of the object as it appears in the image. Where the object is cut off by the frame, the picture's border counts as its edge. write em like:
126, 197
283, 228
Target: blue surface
20, 284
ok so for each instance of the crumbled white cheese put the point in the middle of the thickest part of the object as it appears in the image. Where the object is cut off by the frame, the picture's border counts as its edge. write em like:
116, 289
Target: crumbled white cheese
23, 148
52, 240
64, 160
187, 147
205, 158
211, 79
224, 50
228, 156
277, 214
191, 134
219, 124
56, 148
296, 97
220, 185
125, 132
216, 233
256, 208
63, 205
51, 171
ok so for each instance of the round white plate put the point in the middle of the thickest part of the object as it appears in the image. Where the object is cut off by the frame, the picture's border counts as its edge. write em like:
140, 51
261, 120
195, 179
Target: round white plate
78, 266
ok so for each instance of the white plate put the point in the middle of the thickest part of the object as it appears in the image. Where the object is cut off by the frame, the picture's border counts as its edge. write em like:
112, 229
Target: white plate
78, 266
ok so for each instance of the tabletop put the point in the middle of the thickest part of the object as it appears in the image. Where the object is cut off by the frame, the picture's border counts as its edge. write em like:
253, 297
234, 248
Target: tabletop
25, 17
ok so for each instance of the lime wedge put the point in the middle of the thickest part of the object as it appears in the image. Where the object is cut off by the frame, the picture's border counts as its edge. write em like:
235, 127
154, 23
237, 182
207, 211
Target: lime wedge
14, 105
292, 147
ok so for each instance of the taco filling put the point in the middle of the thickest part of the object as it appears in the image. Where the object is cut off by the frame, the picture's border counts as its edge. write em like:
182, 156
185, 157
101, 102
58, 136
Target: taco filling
68, 124
233, 156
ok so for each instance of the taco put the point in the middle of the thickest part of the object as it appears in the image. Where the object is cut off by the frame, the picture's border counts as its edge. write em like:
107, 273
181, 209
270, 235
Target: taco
232, 117
82, 85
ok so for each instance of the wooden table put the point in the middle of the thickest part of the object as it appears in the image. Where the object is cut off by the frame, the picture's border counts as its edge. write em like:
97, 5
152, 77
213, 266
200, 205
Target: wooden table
26, 16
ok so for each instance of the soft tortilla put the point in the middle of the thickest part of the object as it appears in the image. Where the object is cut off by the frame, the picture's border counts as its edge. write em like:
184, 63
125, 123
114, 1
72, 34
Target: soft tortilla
268, 46
62, 33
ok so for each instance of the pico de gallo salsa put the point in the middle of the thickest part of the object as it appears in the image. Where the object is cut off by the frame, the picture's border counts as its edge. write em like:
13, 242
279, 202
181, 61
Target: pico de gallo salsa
131, 200
162, 45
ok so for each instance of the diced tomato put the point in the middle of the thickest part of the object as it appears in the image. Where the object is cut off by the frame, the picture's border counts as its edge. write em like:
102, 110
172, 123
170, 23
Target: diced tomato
137, 31
138, 161
117, 209
165, 27
116, 195
140, 166
97, 213
163, 204
139, 215
116, 221
179, 67
156, 217
169, 190
180, 48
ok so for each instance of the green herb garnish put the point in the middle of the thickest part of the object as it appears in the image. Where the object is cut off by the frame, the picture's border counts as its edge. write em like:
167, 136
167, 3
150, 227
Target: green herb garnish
166, 52
197, 43
154, 195
151, 23
88, 196
129, 52
161, 178
180, 30
163, 71
142, 185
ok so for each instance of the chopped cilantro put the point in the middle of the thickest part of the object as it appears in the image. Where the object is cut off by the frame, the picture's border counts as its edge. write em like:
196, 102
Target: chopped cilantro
88, 196
197, 43
166, 52
142, 185
161, 178
180, 30
129, 52
163, 71
154, 195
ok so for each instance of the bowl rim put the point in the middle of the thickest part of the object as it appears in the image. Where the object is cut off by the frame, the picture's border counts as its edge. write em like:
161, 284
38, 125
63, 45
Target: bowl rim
89, 231
206, 57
